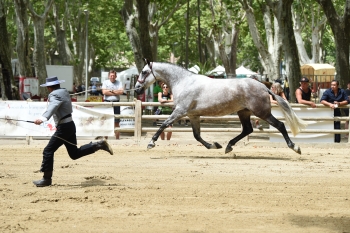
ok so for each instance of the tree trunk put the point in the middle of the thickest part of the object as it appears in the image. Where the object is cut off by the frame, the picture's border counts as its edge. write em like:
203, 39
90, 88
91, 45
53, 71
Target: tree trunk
316, 26
145, 39
39, 57
270, 56
284, 16
341, 30
23, 47
80, 66
129, 21
5, 57
229, 55
39, 44
64, 51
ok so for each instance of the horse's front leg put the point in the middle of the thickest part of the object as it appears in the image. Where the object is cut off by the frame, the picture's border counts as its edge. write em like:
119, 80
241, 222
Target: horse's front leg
196, 128
173, 117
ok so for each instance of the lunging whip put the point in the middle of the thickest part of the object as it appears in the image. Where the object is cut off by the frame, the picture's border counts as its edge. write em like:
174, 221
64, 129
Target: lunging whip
8, 119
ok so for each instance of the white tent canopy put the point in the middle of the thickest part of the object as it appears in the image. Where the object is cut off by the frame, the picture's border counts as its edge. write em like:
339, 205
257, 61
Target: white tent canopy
219, 70
195, 69
244, 71
240, 71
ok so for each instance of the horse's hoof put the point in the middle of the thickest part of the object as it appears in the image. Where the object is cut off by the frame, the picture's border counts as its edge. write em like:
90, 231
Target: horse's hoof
217, 145
228, 149
296, 149
150, 146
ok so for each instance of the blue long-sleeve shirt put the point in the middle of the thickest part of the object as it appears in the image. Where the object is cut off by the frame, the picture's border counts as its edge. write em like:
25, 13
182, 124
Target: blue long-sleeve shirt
330, 97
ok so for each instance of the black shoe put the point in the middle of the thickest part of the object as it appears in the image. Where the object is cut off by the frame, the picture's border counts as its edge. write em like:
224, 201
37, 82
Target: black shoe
103, 145
43, 182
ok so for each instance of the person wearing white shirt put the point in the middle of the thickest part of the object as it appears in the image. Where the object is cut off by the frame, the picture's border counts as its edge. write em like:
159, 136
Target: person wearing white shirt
112, 89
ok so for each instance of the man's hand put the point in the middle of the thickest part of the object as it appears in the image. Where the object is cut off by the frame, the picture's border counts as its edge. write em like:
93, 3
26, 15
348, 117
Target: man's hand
313, 105
38, 122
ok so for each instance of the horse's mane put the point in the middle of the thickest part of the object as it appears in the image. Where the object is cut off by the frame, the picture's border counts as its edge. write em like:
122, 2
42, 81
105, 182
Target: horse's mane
178, 67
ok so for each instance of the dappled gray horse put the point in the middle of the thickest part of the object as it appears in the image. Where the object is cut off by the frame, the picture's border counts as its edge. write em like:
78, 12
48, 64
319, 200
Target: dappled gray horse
198, 95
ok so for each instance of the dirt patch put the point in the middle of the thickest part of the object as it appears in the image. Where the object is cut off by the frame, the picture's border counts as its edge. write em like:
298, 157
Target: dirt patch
179, 186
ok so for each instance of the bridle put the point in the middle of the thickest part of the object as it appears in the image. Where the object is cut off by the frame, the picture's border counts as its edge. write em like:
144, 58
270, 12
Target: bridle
147, 74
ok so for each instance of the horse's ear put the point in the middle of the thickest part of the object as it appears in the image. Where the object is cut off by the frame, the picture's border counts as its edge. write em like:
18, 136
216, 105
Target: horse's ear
147, 61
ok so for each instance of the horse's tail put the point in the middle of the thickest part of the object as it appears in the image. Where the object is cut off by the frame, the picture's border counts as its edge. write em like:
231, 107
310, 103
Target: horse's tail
295, 123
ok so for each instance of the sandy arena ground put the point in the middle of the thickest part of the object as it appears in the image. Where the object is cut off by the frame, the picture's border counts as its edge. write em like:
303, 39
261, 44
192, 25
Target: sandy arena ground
179, 186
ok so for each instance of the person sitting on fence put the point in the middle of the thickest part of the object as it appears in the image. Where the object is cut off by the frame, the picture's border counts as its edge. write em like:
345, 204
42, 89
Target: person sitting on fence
164, 97
303, 93
277, 89
333, 98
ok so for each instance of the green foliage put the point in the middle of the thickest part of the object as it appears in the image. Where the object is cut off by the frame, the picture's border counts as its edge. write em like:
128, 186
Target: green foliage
248, 54
112, 48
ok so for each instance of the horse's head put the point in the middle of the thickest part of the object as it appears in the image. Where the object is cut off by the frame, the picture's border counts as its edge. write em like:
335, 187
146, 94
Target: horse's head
145, 79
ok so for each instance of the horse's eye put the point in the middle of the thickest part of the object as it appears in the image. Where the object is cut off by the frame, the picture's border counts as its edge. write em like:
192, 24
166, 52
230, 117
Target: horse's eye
144, 72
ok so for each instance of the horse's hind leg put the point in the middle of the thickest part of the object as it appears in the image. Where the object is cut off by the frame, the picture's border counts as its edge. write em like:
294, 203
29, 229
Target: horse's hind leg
196, 128
244, 116
280, 126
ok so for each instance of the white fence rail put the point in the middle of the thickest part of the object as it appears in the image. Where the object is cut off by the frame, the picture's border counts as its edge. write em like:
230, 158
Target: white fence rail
139, 129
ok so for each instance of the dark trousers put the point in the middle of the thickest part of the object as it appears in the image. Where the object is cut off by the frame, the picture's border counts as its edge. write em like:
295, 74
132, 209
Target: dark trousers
286, 92
116, 110
337, 125
67, 132
337, 136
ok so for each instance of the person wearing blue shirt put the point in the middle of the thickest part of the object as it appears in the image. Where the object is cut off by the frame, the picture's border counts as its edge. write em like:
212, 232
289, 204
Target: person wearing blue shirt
94, 89
333, 98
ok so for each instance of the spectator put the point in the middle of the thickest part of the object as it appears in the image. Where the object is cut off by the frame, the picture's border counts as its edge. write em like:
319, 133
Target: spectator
267, 83
303, 93
277, 89
112, 89
99, 91
90, 87
60, 107
286, 88
279, 80
127, 88
74, 88
79, 89
333, 98
157, 89
165, 97
94, 90
346, 110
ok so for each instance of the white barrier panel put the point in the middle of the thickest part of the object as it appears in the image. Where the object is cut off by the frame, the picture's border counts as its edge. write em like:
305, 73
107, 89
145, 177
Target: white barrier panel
89, 121
127, 122
31, 85
307, 137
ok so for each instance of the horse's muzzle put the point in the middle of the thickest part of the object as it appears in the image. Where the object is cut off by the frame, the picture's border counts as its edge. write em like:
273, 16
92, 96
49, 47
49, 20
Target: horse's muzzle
139, 89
